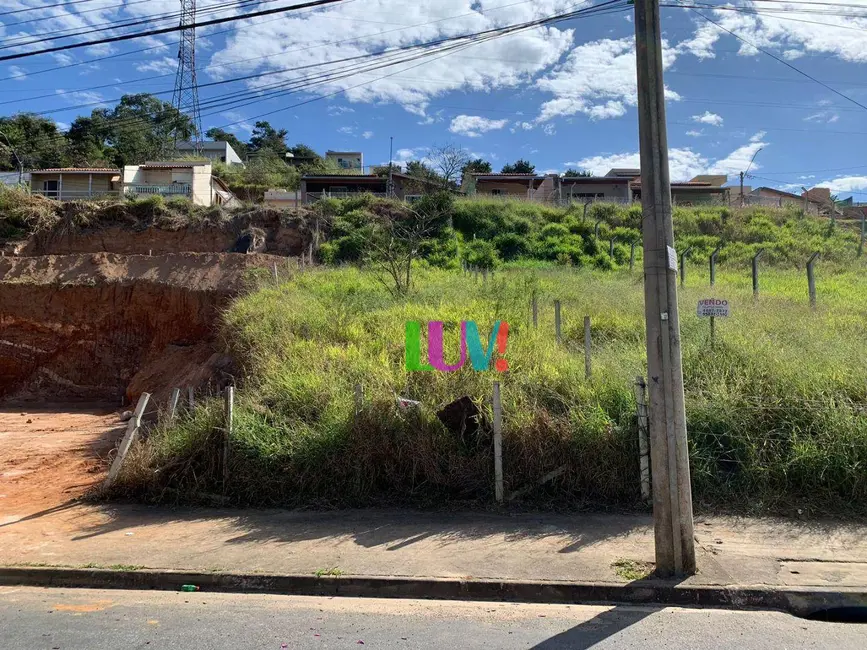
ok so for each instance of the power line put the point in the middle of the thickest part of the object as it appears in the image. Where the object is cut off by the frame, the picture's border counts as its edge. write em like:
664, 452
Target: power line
58, 4
166, 30
117, 24
785, 63
77, 13
390, 51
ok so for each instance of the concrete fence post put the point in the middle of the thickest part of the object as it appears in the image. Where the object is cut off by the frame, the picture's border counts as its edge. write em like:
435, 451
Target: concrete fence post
596, 229
498, 443
276, 277
611, 247
588, 371
557, 333
191, 398
484, 275
227, 434
756, 273
863, 234
632, 253
173, 403
643, 444
683, 265
132, 430
811, 279
713, 257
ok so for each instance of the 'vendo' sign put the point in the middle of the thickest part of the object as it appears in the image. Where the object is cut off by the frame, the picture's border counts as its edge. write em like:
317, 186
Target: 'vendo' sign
713, 307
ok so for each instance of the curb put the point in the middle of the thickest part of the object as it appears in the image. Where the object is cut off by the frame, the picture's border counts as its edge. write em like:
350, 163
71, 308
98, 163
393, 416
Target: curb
800, 601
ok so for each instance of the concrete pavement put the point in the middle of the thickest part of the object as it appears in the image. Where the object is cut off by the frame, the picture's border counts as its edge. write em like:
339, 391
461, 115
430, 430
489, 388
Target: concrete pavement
102, 620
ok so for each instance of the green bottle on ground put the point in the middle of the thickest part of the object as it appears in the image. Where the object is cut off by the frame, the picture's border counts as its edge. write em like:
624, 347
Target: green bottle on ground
189, 588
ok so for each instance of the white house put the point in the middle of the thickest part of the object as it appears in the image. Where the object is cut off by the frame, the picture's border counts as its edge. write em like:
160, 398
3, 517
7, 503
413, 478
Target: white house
190, 179
346, 159
215, 151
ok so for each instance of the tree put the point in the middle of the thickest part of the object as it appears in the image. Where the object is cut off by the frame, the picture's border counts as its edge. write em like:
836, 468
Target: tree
140, 128
219, 135
574, 173
301, 150
266, 137
520, 166
448, 160
35, 140
477, 166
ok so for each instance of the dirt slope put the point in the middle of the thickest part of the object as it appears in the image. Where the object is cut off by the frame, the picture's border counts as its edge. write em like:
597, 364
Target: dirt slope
83, 326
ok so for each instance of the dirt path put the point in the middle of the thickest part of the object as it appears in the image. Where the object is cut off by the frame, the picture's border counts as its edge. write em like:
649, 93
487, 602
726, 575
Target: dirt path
52, 453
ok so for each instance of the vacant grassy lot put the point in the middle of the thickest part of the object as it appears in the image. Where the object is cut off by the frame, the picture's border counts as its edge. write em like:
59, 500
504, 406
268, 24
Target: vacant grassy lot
776, 410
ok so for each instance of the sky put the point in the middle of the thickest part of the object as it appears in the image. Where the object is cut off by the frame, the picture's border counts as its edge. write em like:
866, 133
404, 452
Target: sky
560, 96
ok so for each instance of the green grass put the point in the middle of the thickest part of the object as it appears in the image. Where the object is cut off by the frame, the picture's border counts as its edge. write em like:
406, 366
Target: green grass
632, 569
776, 410
332, 572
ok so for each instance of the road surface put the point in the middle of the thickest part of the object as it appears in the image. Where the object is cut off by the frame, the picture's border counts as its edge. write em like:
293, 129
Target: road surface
90, 619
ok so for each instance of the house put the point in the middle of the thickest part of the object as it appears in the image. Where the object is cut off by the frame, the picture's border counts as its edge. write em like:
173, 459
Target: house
581, 189
215, 151
342, 186
192, 180
505, 185
623, 173
278, 198
71, 183
689, 192
346, 159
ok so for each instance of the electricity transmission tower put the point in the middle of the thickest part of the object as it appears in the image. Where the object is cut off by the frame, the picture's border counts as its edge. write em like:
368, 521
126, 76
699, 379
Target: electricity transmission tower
186, 95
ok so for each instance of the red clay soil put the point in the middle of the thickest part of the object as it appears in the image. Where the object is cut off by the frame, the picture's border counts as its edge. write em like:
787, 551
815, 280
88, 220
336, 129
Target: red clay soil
82, 326
52, 454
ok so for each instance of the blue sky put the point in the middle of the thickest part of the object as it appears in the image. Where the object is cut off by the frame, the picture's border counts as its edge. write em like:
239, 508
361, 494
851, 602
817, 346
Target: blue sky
560, 96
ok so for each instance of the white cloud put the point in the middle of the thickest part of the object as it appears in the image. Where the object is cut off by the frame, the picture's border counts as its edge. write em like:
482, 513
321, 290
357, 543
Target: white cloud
756, 137
549, 129
824, 117
346, 130
845, 183
164, 65
239, 122
339, 110
17, 73
840, 36
702, 42
597, 79
316, 37
367, 135
694, 134
708, 118
804, 178
63, 126
474, 126
87, 97
683, 163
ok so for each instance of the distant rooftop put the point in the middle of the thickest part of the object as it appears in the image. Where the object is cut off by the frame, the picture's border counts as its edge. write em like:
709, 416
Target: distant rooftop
623, 172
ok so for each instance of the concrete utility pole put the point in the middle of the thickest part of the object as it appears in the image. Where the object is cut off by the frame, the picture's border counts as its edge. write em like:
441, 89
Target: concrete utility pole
672, 494
389, 186
744, 173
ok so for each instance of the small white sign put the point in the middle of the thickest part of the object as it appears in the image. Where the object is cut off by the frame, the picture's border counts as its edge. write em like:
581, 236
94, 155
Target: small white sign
672, 258
717, 307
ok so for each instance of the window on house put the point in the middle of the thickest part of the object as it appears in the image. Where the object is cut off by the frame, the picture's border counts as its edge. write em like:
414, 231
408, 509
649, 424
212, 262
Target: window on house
496, 192
588, 195
49, 189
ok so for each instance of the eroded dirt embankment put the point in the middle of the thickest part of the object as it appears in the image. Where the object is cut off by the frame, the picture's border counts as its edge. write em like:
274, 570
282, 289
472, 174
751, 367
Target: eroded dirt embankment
287, 239
103, 325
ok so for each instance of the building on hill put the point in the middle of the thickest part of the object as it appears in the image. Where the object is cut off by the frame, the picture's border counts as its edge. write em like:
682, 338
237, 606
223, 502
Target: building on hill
75, 183
342, 186
215, 151
346, 159
192, 180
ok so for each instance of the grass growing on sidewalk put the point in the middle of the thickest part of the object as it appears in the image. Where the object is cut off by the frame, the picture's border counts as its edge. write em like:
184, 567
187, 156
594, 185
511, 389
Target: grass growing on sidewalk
776, 410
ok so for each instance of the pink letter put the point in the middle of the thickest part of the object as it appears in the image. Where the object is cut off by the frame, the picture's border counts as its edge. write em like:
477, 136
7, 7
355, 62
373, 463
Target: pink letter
435, 346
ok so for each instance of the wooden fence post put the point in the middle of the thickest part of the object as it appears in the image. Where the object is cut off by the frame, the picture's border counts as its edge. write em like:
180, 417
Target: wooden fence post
129, 437
230, 415
756, 273
557, 320
587, 342
498, 444
811, 279
643, 446
173, 403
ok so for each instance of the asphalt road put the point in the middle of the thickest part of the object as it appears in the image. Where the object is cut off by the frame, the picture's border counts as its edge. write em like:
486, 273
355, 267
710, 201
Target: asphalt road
67, 619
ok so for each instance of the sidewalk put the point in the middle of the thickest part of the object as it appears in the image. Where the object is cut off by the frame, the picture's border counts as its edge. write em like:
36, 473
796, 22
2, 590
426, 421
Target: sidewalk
579, 548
